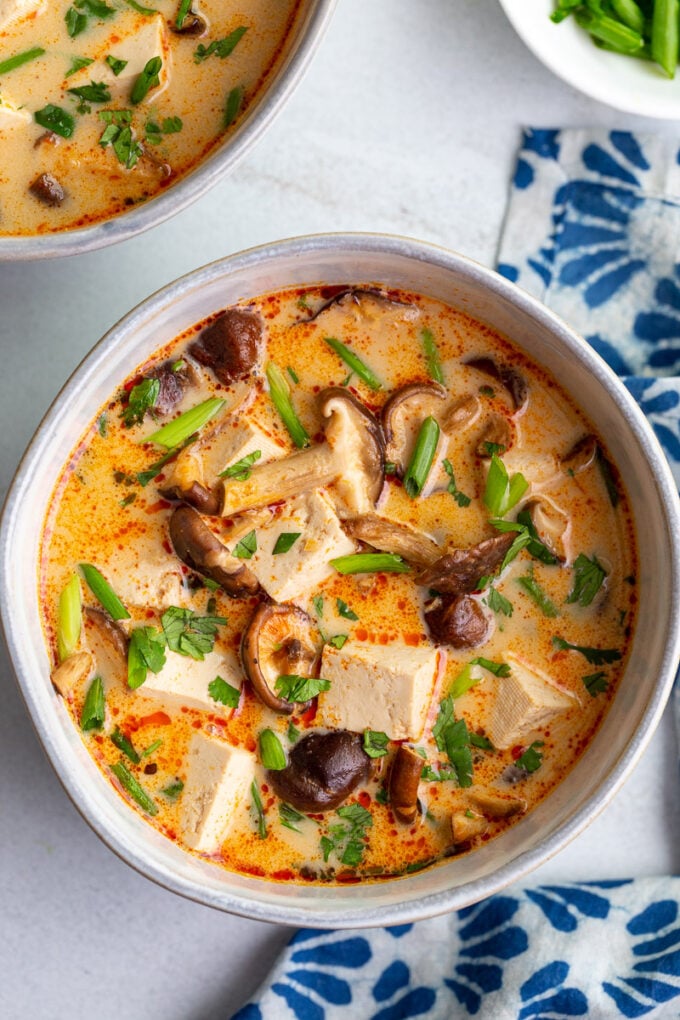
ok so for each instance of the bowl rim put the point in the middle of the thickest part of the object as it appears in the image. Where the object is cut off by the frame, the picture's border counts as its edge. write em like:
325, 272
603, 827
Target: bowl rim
193, 185
45, 722
666, 106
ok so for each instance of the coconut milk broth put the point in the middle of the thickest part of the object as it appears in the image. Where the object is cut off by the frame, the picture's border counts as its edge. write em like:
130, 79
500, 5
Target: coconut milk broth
87, 521
96, 184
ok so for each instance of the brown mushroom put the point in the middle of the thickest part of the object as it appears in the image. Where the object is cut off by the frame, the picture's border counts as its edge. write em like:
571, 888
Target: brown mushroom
323, 769
277, 642
204, 500
351, 460
458, 572
508, 377
352, 295
552, 525
404, 781
174, 379
461, 413
497, 432
230, 345
47, 189
581, 455
396, 537
193, 25
109, 630
403, 415
196, 546
493, 805
459, 621
466, 825
73, 671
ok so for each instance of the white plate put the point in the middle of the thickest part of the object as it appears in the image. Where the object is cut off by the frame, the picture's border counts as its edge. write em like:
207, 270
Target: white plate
636, 86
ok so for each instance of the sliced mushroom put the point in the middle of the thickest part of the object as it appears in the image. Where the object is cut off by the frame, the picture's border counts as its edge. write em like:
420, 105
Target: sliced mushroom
508, 377
205, 500
108, 630
194, 25
404, 781
404, 413
196, 546
493, 805
351, 460
458, 573
582, 454
355, 296
466, 825
230, 345
277, 642
552, 524
47, 189
323, 769
174, 382
459, 621
497, 432
396, 537
72, 672
461, 413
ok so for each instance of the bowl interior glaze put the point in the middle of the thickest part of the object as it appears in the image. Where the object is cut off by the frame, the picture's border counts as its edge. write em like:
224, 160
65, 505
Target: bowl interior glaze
396, 262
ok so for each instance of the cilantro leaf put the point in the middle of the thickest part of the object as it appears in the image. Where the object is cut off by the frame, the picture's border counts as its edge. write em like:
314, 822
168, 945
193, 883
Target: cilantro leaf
595, 683
452, 737
223, 692
498, 603
297, 689
348, 841
245, 549
77, 63
338, 640
595, 656
142, 398
375, 743
497, 668
589, 577
259, 810
146, 651
188, 633
532, 759
173, 790
344, 610
220, 47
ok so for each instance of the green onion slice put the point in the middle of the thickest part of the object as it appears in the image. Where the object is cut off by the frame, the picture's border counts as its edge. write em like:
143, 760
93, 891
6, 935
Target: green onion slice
279, 391
92, 715
179, 429
135, 789
370, 563
20, 58
354, 362
102, 590
272, 754
69, 618
422, 457
434, 365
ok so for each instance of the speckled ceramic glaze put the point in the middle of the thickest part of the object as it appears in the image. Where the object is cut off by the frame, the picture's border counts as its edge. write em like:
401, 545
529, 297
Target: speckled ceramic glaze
395, 262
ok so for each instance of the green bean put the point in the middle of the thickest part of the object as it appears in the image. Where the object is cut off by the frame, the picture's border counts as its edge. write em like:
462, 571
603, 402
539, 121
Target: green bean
665, 35
630, 14
612, 32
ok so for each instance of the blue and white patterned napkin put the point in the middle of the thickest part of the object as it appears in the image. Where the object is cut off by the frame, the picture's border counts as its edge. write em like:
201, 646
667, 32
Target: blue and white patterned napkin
593, 230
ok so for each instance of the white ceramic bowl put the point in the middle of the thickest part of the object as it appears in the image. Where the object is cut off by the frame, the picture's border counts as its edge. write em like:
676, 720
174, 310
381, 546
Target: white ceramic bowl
396, 262
311, 22
625, 83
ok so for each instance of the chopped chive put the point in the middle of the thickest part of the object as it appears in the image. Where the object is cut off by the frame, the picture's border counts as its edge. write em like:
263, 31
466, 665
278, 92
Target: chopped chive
434, 365
125, 745
69, 618
233, 105
151, 748
534, 590
422, 457
135, 789
354, 362
257, 803
94, 708
20, 58
370, 563
272, 754
179, 429
279, 391
102, 590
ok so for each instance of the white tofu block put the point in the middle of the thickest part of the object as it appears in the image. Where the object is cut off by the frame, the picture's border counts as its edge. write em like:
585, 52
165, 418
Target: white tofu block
526, 701
10, 114
218, 779
148, 576
14, 10
379, 687
144, 38
235, 440
184, 681
292, 575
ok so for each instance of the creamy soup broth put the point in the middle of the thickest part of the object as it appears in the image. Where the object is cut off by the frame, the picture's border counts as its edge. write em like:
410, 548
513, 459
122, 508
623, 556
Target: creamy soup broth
198, 95
551, 627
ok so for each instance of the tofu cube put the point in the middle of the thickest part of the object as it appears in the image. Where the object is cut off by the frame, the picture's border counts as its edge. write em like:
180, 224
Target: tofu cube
150, 577
218, 779
525, 701
184, 681
235, 440
10, 114
138, 38
380, 687
296, 573
14, 10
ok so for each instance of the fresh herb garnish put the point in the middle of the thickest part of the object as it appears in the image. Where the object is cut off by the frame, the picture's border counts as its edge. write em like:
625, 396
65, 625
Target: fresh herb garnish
317, 602
188, 633
463, 682
116, 64
595, 683
595, 656
94, 707
536, 593
142, 398
382, 796
525, 525
54, 118
75, 22
119, 135
102, 590
422, 457
279, 391
19, 59
354, 362
294, 376
375, 743
147, 80
497, 668
179, 429
348, 841
241, 470
288, 816
344, 610
245, 549
102, 426
69, 618
294, 688
223, 692
151, 748
127, 500
370, 563
532, 759
434, 365
338, 640
478, 740
125, 745
498, 603
95, 92
144, 477
491, 448
220, 47
607, 472
452, 736
153, 132
292, 733
233, 105
259, 810
134, 788
146, 651
589, 577
461, 499
272, 754
502, 492
149, 11
173, 790
285, 542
